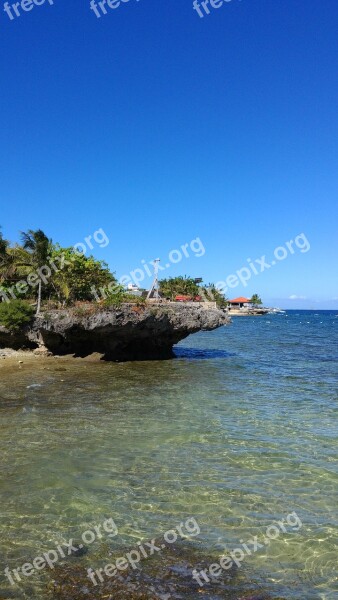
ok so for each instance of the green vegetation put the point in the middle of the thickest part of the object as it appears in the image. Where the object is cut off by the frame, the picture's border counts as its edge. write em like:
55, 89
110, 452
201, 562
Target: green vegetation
3, 247
174, 286
50, 276
119, 295
256, 300
186, 286
44, 272
214, 295
37, 246
15, 314
77, 275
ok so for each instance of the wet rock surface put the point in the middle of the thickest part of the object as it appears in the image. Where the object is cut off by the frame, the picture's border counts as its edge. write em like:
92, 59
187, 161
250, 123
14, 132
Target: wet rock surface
165, 576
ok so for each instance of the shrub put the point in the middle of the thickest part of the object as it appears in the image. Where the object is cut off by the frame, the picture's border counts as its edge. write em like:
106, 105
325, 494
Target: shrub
112, 301
115, 297
15, 314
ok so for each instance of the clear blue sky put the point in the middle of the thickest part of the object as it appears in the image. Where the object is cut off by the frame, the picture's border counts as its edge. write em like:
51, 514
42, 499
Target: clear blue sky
160, 126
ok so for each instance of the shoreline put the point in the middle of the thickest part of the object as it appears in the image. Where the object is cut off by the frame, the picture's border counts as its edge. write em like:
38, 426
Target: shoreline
256, 313
20, 359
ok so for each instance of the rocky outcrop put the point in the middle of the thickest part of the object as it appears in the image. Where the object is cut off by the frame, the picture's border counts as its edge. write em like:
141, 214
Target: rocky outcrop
126, 333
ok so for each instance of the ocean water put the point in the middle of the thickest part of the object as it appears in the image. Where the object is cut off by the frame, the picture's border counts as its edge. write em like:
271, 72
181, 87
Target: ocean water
238, 432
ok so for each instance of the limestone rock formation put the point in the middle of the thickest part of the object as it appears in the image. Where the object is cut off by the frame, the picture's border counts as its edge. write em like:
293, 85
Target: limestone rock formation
128, 332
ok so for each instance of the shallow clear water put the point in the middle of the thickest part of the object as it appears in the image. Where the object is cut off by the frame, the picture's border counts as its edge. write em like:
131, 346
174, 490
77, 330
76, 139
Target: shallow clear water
239, 431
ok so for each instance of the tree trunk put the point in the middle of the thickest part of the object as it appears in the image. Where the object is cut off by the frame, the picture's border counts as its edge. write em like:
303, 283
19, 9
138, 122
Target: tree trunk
39, 299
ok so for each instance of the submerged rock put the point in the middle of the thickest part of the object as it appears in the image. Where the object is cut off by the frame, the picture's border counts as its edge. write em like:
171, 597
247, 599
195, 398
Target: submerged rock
81, 550
164, 576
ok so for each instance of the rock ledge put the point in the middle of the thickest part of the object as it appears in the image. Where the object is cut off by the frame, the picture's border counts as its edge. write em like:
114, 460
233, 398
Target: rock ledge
128, 332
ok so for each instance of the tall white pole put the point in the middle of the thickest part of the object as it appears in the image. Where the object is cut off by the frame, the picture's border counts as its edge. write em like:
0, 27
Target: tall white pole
155, 287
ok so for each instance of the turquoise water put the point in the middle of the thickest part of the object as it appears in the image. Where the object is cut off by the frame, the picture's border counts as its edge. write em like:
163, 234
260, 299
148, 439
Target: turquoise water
238, 432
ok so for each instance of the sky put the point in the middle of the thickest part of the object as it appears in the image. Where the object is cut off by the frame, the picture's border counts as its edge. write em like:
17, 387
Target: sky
162, 129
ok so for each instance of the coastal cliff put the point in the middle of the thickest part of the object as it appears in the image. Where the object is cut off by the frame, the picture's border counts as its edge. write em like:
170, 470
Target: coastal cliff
128, 332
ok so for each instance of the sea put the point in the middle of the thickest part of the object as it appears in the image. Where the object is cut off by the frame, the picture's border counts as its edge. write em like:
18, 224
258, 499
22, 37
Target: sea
237, 435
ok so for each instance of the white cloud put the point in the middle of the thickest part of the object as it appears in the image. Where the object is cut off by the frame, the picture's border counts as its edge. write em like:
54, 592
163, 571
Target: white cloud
294, 297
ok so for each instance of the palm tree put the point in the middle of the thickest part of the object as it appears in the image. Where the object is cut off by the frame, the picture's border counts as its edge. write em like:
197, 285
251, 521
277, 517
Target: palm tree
37, 244
4, 257
256, 300
3, 248
14, 262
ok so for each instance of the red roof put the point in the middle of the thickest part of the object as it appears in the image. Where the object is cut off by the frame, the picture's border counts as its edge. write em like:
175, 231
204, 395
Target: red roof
239, 300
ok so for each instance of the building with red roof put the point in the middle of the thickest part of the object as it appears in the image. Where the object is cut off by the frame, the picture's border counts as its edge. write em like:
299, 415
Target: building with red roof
240, 302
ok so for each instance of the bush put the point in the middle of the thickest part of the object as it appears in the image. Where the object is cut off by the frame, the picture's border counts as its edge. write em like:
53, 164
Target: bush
112, 301
15, 314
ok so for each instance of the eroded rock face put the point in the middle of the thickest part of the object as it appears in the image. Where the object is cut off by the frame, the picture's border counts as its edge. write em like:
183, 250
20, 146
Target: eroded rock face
126, 333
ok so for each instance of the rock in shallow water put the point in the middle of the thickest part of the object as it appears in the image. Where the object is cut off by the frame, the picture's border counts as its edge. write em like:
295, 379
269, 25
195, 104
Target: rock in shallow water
164, 576
119, 334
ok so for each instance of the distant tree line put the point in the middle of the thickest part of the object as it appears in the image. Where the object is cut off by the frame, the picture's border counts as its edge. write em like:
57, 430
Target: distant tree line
187, 286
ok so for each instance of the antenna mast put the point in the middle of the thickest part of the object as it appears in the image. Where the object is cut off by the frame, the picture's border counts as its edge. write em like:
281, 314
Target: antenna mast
155, 287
